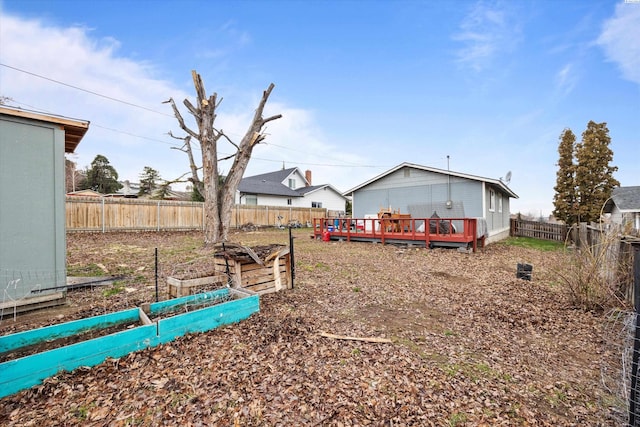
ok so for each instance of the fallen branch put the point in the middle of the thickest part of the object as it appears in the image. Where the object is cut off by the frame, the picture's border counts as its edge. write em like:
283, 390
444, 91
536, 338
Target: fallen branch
345, 337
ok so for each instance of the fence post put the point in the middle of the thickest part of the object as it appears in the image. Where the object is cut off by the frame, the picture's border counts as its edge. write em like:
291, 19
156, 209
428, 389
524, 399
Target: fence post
102, 215
158, 216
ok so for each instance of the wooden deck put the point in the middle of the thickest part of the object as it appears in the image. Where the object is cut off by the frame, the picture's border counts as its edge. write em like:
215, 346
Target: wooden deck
427, 232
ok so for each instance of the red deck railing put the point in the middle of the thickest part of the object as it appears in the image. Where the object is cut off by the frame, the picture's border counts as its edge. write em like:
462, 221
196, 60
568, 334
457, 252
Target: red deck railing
431, 231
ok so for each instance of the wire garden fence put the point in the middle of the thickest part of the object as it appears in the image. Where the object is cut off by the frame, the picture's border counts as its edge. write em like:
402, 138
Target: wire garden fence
621, 357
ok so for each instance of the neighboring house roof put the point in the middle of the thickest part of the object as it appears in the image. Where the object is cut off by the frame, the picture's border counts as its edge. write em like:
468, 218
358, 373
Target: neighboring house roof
132, 189
74, 129
277, 176
313, 188
85, 193
498, 183
271, 183
264, 186
128, 189
627, 199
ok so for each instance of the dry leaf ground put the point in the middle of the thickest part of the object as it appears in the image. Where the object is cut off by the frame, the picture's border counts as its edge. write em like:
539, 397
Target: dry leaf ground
472, 345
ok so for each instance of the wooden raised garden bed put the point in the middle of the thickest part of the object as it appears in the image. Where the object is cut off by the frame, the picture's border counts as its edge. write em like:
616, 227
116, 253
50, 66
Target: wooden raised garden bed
260, 269
31, 356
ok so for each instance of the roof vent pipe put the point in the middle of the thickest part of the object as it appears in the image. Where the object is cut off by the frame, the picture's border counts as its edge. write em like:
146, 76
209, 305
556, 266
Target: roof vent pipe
449, 203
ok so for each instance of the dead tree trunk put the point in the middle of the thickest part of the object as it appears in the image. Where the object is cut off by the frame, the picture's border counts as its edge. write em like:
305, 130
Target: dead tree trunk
219, 195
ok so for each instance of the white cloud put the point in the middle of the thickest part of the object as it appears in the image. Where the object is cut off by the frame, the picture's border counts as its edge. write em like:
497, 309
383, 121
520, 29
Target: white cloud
486, 32
132, 138
566, 79
72, 57
620, 39
297, 140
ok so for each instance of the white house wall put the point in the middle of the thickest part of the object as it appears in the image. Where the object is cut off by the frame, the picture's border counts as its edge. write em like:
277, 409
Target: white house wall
300, 180
626, 219
266, 200
330, 199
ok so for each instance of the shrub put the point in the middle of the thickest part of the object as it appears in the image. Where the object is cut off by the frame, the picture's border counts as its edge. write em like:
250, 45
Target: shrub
596, 275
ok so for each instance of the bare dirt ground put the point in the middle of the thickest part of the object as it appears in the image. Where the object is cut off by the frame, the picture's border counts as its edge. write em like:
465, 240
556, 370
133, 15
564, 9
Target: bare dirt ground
472, 345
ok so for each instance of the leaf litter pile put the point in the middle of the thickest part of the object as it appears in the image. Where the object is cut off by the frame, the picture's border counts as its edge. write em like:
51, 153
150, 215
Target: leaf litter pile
470, 344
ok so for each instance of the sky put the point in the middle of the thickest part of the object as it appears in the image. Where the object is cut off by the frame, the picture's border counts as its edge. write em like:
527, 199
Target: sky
481, 87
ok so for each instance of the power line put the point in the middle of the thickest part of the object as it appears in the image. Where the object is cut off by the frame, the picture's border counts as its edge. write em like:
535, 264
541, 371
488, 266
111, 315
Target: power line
167, 115
87, 90
124, 132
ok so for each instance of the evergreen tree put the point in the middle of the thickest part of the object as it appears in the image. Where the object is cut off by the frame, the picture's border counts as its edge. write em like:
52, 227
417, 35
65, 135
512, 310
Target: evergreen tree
101, 176
564, 199
196, 196
593, 175
148, 181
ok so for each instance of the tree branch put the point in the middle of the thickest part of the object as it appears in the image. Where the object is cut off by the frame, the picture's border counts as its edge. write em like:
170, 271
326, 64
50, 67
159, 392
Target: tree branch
221, 133
183, 125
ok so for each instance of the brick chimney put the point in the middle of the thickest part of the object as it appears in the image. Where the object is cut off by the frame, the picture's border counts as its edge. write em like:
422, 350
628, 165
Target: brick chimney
307, 176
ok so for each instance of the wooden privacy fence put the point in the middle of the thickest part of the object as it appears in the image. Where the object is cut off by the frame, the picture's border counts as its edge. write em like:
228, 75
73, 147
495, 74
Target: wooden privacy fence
539, 230
121, 214
274, 215
612, 251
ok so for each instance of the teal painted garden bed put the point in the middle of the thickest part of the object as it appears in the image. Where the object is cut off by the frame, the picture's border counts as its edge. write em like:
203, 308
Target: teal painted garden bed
175, 318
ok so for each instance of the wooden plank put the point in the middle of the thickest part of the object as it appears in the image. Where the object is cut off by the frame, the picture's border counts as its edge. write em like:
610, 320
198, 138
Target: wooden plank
207, 318
249, 274
261, 287
28, 371
143, 317
34, 336
32, 303
179, 288
25, 372
162, 306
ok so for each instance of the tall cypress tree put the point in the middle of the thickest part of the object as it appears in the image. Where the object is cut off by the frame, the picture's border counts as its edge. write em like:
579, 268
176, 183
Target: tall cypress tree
593, 175
564, 199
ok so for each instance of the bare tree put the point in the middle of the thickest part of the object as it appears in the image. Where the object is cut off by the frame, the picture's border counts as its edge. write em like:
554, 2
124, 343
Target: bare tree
218, 193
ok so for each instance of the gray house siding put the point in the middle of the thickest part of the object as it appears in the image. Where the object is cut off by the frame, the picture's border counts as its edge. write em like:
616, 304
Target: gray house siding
32, 211
497, 218
421, 193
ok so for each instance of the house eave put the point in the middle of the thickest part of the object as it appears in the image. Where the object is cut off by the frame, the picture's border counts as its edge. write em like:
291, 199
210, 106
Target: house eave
74, 129
496, 182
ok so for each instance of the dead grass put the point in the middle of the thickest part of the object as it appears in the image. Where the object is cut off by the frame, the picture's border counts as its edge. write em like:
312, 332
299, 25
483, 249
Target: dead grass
472, 345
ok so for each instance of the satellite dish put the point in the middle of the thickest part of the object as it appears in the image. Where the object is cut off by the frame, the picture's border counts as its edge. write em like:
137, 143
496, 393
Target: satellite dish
507, 178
